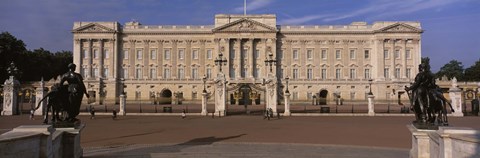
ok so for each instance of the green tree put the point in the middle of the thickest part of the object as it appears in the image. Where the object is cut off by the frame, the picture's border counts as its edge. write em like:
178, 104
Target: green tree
10, 50
452, 69
473, 72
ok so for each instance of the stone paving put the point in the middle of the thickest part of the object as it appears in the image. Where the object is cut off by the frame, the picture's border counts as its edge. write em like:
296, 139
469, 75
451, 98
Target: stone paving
243, 136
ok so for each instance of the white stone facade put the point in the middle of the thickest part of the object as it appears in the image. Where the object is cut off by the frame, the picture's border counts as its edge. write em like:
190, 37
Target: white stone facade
163, 60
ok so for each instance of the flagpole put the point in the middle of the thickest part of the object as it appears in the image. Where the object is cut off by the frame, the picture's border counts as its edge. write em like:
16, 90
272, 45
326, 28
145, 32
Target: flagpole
244, 7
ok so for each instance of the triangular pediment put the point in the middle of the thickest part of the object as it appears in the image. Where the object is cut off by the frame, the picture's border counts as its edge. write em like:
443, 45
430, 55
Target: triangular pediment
245, 25
93, 28
400, 28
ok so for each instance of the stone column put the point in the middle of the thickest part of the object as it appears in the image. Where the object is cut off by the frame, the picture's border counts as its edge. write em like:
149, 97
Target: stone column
40, 93
271, 92
302, 57
202, 56
287, 104
123, 101
220, 94
251, 58
10, 95
146, 58
204, 103
188, 59
371, 105
77, 54
455, 94
90, 59
174, 59
160, 54
101, 59
132, 58
238, 58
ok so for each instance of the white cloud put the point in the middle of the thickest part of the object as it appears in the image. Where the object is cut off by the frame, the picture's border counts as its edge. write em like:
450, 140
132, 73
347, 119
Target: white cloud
254, 5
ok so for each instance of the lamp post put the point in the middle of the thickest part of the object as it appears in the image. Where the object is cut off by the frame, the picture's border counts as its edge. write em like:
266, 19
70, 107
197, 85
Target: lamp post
220, 61
204, 79
370, 86
286, 80
270, 61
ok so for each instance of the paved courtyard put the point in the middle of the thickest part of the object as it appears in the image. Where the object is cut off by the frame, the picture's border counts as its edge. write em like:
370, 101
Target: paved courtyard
243, 136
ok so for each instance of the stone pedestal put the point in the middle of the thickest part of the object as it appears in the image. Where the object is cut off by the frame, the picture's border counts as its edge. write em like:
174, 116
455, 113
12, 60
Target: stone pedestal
456, 97
71, 142
39, 94
420, 142
220, 94
287, 104
204, 103
10, 95
271, 95
371, 105
123, 102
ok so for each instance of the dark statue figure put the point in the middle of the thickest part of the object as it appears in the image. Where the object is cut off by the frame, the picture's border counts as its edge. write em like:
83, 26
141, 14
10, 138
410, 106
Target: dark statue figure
427, 100
66, 98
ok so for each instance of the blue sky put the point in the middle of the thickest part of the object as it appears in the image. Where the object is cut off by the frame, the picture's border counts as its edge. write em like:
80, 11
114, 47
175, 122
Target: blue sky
451, 26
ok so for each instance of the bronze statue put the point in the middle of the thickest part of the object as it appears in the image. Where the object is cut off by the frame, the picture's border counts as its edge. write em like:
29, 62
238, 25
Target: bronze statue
427, 99
57, 100
76, 89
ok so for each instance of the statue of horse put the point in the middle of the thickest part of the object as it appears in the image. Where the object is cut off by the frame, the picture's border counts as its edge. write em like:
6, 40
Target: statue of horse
57, 102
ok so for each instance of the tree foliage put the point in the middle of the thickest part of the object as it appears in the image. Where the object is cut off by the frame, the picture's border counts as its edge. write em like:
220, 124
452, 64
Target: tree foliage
473, 72
452, 69
33, 65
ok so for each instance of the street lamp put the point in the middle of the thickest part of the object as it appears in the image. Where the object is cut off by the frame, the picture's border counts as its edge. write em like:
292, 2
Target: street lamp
270, 61
370, 86
204, 79
220, 61
123, 85
286, 80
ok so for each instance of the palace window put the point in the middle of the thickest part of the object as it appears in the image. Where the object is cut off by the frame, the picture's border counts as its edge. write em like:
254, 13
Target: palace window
309, 54
138, 73
125, 54
309, 74
105, 72
181, 54
257, 72
195, 54
352, 54
282, 71
138, 95
386, 73
295, 54
153, 73
209, 54
95, 73
367, 74
257, 53
309, 95
105, 53
295, 73
295, 96
232, 73
367, 54
245, 53
324, 54
209, 73
153, 54
338, 74
167, 54
324, 73
181, 73
95, 53
338, 54
385, 54
85, 53
281, 53
397, 54
194, 73
232, 54
139, 54
353, 73
408, 72
352, 95
125, 73
166, 73
407, 54
245, 72
397, 72
84, 72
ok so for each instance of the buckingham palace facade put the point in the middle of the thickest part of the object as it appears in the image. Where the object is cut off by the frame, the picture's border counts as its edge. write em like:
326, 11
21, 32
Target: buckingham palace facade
322, 62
